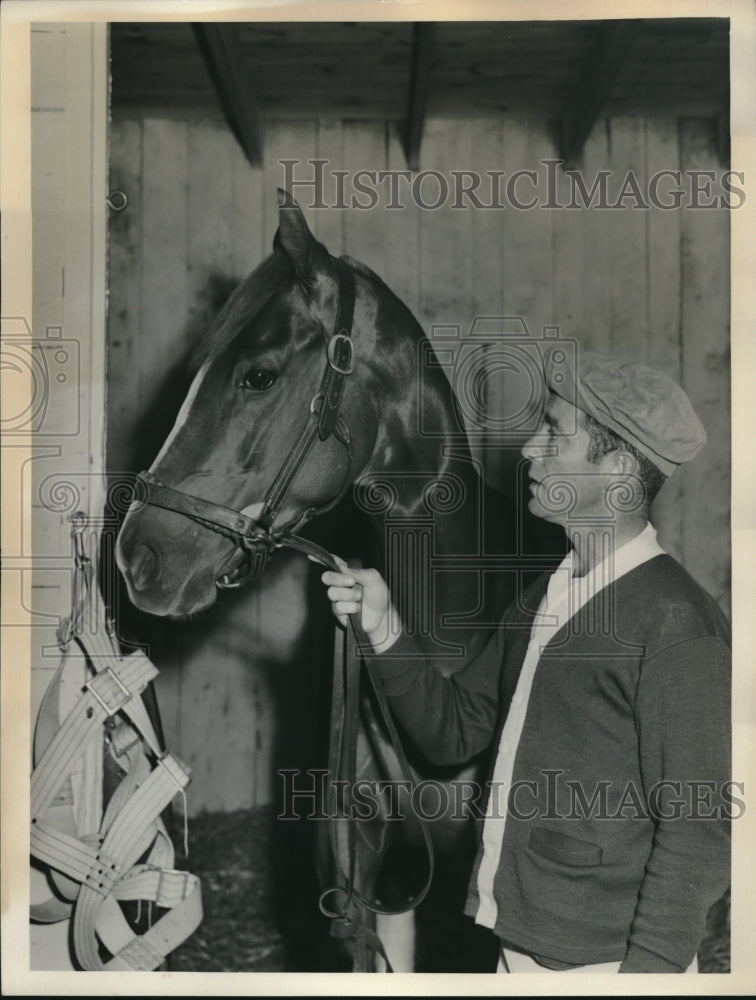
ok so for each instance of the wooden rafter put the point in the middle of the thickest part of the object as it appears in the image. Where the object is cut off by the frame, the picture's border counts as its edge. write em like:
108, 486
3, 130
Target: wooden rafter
422, 52
605, 59
224, 56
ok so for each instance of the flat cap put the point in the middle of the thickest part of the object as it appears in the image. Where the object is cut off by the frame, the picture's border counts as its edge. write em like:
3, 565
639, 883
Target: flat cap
640, 404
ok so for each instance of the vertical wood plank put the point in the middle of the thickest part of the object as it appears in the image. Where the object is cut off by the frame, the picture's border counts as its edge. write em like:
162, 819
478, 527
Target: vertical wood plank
48, 218
528, 233
570, 254
487, 249
487, 294
328, 223
248, 228
164, 297
402, 268
67, 311
664, 319
365, 230
125, 270
706, 373
211, 218
629, 319
597, 228
445, 233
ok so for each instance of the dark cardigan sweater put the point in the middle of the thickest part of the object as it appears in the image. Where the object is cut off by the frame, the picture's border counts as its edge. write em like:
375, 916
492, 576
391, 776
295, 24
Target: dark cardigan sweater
631, 702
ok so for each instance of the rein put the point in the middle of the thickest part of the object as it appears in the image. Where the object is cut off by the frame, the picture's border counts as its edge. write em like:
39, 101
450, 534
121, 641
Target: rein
257, 538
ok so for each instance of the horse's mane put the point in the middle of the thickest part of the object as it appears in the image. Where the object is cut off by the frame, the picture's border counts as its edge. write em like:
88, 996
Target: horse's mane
370, 274
269, 278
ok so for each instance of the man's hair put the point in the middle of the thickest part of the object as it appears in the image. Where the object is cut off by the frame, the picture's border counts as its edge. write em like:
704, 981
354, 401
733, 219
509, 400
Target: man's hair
603, 440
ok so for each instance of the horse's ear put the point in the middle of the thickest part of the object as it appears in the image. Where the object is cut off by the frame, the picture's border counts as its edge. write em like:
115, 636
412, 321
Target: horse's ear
293, 235
311, 260
295, 239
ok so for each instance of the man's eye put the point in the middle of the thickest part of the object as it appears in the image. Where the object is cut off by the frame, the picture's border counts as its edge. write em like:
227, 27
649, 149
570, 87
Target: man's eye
258, 378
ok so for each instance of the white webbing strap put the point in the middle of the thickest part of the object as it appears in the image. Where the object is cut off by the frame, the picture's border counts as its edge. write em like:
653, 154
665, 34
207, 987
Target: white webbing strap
131, 833
104, 695
148, 951
103, 864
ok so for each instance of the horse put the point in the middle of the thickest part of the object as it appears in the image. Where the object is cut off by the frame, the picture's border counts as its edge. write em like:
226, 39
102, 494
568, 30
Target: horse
316, 388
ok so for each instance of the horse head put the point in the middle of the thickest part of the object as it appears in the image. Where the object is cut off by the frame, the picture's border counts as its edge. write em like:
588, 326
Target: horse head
280, 419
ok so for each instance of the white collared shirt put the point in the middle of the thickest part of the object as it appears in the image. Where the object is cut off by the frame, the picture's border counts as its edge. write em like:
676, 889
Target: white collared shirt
565, 596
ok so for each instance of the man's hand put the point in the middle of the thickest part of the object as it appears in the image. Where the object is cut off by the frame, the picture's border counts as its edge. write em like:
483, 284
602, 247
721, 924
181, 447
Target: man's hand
364, 592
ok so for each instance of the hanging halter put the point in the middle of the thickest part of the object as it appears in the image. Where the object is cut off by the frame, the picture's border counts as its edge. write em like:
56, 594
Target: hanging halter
106, 852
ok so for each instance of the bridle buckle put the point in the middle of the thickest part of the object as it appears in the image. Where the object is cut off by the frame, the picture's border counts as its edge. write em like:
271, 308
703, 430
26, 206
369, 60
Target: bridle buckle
342, 368
260, 537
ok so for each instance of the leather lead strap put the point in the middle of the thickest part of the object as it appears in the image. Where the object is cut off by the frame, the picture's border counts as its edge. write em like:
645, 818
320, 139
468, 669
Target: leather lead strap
342, 767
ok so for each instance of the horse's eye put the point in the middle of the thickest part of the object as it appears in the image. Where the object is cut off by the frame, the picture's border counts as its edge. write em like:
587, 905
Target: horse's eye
258, 378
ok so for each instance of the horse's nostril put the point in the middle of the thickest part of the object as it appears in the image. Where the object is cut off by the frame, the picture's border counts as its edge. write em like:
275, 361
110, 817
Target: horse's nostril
143, 567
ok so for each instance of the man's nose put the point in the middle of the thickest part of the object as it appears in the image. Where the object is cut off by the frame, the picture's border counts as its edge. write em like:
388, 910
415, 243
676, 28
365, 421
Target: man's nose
533, 447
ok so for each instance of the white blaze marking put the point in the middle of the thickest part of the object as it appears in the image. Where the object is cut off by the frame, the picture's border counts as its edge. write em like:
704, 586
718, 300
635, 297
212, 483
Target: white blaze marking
183, 412
253, 510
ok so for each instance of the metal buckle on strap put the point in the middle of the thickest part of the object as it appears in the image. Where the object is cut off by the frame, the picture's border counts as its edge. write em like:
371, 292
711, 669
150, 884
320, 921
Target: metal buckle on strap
172, 885
179, 773
109, 690
347, 368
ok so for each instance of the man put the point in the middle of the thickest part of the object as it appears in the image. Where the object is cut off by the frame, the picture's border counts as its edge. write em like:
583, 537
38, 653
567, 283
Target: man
604, 696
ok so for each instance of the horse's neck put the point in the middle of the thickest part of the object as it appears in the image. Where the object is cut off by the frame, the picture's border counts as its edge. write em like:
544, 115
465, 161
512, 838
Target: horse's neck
425, 503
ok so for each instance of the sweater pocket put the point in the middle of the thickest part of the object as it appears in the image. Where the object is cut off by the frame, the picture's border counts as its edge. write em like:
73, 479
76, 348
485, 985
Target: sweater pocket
563, 849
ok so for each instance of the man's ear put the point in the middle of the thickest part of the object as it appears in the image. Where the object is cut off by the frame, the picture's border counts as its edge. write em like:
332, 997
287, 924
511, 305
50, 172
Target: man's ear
626, 492
619, 462
628, 462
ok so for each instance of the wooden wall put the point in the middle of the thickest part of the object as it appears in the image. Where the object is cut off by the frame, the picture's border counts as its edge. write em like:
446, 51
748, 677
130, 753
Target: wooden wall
653, 284
62, 461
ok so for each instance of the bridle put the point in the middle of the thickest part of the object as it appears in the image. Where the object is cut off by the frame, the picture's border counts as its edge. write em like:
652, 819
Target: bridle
256, 537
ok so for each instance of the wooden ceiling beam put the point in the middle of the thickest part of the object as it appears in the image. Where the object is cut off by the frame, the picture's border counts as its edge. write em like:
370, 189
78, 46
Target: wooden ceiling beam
605, 59
224, 55
422, 53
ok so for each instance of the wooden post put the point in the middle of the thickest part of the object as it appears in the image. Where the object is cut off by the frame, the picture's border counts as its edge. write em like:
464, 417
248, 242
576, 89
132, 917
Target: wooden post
225, 60
422, 50
605, 60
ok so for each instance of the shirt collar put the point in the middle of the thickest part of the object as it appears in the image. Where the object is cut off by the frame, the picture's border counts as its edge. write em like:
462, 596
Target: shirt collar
631, 554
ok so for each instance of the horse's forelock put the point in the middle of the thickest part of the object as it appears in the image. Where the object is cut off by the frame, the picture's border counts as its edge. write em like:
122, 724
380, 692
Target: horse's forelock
268, 279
